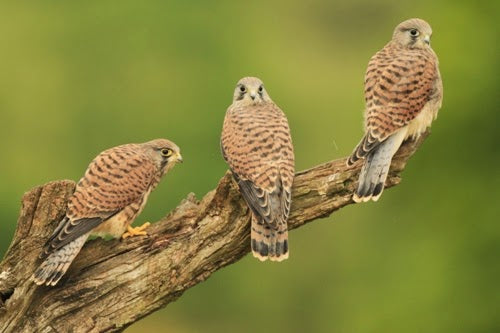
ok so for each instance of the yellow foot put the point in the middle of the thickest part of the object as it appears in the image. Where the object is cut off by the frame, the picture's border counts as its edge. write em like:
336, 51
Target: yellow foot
137, 231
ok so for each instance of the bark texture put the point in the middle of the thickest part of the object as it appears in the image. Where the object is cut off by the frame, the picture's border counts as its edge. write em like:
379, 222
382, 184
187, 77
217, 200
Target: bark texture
112, 284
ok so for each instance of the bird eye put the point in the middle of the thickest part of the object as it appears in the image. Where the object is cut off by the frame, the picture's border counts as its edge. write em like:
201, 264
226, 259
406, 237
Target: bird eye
414, 32
243, 89
166, 152
261, 89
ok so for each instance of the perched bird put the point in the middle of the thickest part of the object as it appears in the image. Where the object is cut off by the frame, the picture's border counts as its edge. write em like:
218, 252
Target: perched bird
403, 93
256, 144
113, 191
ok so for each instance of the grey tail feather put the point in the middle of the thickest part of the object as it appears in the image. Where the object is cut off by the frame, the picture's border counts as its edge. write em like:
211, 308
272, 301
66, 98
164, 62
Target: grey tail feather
376, 167
269, 242
57, 263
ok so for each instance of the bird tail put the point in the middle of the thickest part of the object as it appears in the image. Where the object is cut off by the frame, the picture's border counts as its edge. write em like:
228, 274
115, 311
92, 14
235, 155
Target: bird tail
376, 167
57, 263
269, 242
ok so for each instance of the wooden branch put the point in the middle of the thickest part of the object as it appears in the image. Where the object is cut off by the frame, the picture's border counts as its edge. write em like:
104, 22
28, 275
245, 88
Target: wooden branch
112, 284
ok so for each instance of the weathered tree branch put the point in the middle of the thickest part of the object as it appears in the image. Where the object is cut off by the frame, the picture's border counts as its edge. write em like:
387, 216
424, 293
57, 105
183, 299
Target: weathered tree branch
114, 283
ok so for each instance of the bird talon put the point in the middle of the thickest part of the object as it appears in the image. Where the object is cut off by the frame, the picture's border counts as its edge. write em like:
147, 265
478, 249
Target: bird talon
136, 231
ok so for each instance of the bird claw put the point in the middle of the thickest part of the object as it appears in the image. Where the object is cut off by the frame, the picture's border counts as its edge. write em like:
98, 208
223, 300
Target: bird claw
137, 231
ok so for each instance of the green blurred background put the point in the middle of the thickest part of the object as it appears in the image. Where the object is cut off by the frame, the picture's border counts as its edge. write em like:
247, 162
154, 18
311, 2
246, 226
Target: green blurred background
79, 77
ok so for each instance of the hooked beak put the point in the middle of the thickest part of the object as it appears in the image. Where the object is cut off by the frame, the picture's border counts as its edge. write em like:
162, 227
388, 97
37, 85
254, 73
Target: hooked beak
427, 39
178, 158
253, 94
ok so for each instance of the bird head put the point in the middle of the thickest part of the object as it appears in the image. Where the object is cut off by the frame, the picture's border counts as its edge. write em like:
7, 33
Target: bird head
164, 153
413, 33
250, 91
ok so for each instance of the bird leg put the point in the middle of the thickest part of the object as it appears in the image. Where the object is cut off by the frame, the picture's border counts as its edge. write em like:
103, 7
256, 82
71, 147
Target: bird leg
137, 231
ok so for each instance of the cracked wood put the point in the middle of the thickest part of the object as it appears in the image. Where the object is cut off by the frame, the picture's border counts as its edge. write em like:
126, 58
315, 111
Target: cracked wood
112, 284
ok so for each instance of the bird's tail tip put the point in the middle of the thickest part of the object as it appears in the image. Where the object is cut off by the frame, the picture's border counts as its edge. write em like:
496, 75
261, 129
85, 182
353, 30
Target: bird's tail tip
53, 268
367, 193
272, 248
47, 274
261, 255
280, 258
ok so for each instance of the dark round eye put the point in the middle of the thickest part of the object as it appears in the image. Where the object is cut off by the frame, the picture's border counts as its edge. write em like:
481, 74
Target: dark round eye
414, 32
243, 89
261, 89
166, 152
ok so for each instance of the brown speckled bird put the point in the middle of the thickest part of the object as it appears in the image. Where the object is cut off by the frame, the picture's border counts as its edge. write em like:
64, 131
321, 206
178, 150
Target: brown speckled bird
403, 93
256, 144
113, 191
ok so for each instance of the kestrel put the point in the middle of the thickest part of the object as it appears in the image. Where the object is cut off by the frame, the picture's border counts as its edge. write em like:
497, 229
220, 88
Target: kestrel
113, 191
403, 93
256, 144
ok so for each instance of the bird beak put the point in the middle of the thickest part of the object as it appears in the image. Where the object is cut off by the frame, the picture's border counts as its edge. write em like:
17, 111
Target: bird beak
427, 39
253, 94
178, 158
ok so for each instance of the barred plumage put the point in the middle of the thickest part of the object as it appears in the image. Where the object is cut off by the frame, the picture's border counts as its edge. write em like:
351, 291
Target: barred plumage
106, 201
257, 145
403, 93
